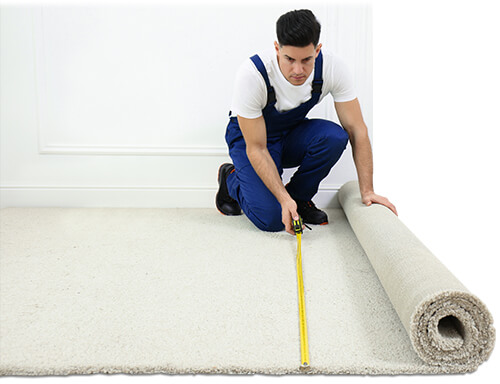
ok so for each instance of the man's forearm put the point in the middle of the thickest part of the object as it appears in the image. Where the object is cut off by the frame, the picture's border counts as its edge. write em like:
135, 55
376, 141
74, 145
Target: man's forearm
363, 158
265, 167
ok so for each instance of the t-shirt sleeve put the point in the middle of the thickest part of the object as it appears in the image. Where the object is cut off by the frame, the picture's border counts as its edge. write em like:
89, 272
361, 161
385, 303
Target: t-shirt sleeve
249, 92
343, 84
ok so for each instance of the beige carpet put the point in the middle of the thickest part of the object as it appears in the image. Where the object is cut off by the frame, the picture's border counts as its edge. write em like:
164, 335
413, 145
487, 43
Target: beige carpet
88, 290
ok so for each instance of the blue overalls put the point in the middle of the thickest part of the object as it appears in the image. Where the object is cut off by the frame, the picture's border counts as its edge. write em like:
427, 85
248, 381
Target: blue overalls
315, 145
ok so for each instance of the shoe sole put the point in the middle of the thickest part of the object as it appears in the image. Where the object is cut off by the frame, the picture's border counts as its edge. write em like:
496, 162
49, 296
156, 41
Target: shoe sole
219, 181
221, 211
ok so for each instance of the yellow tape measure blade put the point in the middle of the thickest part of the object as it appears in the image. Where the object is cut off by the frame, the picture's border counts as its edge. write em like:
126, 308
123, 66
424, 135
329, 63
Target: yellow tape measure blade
304, 349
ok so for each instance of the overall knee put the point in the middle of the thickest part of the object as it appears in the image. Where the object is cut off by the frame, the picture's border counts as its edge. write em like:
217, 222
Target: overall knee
268, 218
336, 138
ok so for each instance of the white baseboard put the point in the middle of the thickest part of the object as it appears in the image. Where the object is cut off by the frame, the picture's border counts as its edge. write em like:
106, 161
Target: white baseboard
129, 197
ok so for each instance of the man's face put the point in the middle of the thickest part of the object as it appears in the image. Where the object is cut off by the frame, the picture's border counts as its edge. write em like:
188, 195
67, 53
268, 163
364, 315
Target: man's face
296, 63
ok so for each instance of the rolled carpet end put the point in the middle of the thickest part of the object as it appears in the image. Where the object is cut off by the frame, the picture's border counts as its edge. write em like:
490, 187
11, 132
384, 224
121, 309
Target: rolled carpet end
447, 324
452, 328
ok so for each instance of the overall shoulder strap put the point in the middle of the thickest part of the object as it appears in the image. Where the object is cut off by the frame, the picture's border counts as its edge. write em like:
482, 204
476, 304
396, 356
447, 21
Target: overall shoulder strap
271, 95
318, 75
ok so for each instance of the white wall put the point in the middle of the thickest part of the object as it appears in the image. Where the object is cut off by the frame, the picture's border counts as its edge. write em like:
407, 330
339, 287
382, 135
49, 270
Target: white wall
127, 105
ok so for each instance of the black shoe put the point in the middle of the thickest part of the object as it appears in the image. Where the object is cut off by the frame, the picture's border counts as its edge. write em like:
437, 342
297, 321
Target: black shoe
225, 203
310, 214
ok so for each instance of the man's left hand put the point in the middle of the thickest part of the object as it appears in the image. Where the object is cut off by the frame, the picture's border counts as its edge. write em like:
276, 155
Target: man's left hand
372, 197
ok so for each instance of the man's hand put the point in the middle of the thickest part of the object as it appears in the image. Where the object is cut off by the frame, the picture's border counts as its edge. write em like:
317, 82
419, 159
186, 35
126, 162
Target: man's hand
372, 197
289, 211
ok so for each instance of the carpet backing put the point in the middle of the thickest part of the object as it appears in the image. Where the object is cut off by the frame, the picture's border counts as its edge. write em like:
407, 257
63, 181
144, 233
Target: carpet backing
116, 290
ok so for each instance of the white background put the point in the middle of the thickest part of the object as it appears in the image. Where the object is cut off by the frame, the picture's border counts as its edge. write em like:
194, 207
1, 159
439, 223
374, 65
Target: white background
127, 106
436, 151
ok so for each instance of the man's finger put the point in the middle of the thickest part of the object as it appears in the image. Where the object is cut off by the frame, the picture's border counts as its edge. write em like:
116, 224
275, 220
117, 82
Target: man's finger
288, 227
391, 207
377, 199
394, 209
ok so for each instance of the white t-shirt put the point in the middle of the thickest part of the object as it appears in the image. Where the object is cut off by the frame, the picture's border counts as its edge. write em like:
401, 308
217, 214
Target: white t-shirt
250, 92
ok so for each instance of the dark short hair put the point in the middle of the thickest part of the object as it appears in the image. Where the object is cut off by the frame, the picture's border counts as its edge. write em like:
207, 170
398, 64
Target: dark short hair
298, 28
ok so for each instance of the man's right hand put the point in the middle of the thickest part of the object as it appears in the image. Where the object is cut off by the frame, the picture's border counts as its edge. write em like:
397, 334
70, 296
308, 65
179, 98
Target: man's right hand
289, 213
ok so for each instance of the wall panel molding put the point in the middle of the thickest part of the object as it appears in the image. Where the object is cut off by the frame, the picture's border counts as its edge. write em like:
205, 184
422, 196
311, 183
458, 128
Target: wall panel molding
55, 132
132, 151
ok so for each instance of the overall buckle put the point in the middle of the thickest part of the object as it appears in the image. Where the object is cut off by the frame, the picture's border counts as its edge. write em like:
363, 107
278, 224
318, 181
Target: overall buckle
317, 86
271, 96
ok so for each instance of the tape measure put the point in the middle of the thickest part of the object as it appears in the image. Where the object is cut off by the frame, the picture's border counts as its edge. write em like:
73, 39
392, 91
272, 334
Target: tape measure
304, 347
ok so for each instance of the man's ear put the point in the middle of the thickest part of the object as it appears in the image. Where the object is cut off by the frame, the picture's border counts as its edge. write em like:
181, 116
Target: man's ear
277, 46
318, 49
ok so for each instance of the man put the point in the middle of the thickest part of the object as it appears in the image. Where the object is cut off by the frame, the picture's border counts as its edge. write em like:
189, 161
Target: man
268, 130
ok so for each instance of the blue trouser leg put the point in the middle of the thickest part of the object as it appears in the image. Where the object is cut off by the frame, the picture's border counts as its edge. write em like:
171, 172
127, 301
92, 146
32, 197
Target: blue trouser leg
254, 198
315, 146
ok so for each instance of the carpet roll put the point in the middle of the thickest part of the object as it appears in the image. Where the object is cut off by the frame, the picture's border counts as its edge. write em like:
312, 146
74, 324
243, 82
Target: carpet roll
447, 324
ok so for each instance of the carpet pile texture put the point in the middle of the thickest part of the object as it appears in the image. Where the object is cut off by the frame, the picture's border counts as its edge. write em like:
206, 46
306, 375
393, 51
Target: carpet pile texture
117, 290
